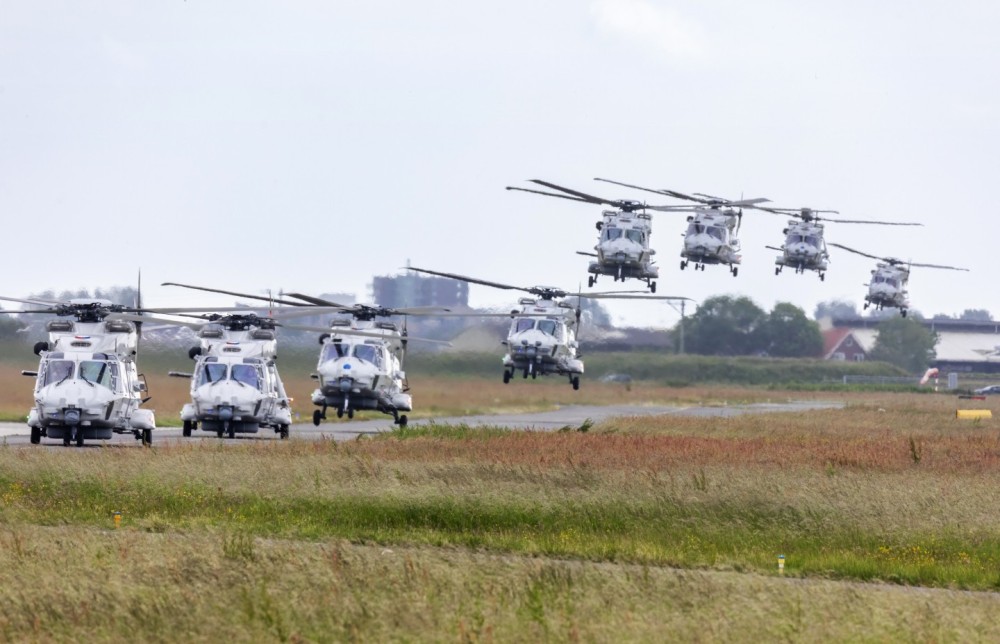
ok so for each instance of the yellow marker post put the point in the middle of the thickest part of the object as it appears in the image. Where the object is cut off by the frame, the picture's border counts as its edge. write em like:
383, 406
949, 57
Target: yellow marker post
781, 563
118, 519
973, 414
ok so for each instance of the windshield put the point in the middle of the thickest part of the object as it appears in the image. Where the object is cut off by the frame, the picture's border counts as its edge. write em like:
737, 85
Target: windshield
212, 372
247, 374
97, 372
57, 371
812, 240
635, 235
716, 232
366, 352
612, 233
335, 350
695, 229
547, 326
524, 324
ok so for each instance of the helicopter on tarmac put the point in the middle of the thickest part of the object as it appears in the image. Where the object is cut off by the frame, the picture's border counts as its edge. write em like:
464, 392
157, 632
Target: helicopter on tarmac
543, 333
711, 236
623, 250
87, 386
804, 248
235, 386
887, 287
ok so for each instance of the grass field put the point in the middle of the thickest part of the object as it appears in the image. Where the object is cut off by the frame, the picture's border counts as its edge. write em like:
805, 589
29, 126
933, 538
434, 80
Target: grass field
640, 527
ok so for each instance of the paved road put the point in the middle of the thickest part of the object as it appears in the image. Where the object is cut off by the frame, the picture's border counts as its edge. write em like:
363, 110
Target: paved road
572, 415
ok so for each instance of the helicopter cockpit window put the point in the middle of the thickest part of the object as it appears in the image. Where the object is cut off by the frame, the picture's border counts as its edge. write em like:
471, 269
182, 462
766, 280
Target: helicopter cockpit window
695, 229
247, 374
335, 350
812, 240
716, 232
96, 372
547, 326
891, 282
368, 353
524, 324
57, 371
611, 234
212, 372
634, 235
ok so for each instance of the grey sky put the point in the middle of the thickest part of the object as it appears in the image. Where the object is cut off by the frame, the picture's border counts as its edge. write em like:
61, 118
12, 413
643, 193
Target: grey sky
310, 145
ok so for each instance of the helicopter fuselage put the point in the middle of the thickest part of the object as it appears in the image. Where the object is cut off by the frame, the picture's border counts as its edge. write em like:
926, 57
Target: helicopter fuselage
235, 387
710, 239
804, 248
87, 386
887, 287
622, 248
361, 372
542, 340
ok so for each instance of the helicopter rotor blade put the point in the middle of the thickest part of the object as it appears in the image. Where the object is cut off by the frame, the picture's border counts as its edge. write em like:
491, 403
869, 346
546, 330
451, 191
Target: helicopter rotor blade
858, 252
237, 294
951, 268
619, 296
586, 254
471, 280
869, 221
668, 193
361, 333
316, 301
576, 193
34, 302
551, 194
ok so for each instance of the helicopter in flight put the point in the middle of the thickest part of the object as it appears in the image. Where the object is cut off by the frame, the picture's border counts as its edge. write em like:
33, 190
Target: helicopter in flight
543, 333
805, 248
87, 386
622, 250
713, 226
887, 287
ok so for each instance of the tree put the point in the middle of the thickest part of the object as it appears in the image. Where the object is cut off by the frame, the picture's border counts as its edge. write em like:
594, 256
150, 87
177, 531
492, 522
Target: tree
976, 315
726, 326
906, 343
788, 333
836, 309
9, 327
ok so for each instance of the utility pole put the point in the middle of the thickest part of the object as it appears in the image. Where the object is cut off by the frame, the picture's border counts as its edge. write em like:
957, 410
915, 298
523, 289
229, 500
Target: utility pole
683, 300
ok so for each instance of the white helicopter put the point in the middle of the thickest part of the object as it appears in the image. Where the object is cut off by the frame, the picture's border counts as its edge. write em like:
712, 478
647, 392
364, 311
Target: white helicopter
235, 386
361, 359
711, 236
87, 386
805, 248
887, 287
543, 333
623, 250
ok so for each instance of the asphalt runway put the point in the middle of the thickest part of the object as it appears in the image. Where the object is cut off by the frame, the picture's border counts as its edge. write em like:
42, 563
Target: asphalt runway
573, 416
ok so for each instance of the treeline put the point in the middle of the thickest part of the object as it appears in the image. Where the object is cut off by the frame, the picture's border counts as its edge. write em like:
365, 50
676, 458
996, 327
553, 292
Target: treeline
736, 326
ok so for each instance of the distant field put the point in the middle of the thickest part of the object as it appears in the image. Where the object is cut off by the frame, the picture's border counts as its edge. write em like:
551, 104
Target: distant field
884, 510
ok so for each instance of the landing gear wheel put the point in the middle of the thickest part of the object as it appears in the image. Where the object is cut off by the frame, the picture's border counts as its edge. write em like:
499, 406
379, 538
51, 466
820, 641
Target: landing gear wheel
575, 381
79, 438
187, 429
506, 376
822, 277
67, 439
590, 281
903, 313
777, 270
534, 375
317, 417
525, 375
219, 433
36, 436
736, 271
350, 414
652, 287
340, 413
231, 430
402, 421
683, 264
147, 437
283, 432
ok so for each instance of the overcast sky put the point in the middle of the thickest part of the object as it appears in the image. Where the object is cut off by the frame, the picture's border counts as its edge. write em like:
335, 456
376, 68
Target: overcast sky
310, 145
